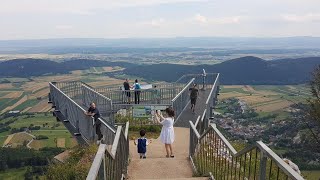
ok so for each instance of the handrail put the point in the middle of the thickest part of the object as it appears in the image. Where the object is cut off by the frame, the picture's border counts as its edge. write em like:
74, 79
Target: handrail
115, 142
233, 151
107, 162
193, 127
197, 121
284, 166
126, 132
203, 115
213, 87
96, 92
94, 170
184, 89
266, 152
67, 97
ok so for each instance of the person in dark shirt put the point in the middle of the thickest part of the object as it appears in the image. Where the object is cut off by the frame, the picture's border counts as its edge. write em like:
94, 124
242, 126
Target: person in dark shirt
94, 112
126, 87
193, 96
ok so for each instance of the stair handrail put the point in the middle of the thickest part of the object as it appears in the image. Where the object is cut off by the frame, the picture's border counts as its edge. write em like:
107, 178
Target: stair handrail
112, 163
267, 155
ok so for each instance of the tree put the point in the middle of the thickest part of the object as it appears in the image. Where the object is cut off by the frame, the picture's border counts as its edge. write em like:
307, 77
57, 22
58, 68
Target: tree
313, 110
314, 102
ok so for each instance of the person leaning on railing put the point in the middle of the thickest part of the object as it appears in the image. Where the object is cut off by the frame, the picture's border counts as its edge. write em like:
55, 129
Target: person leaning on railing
126, 87
167, 131
94, 112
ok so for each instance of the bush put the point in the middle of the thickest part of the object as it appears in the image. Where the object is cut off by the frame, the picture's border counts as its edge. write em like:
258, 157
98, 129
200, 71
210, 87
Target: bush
77, 165
147, 128
42, 137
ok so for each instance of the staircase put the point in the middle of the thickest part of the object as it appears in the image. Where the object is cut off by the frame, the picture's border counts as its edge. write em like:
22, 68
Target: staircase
157, 166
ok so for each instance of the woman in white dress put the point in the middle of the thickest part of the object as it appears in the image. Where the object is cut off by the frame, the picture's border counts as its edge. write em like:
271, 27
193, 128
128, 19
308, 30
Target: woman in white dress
167, 131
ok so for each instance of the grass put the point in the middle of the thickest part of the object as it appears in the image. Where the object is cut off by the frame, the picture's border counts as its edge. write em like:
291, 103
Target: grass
15, 80
53, 135
2, 139
13, 174
3, 93
39, 120
133, 135
311, 175
28, 103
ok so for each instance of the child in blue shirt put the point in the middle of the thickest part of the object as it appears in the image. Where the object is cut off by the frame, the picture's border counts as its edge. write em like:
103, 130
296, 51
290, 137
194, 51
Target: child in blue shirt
142, 144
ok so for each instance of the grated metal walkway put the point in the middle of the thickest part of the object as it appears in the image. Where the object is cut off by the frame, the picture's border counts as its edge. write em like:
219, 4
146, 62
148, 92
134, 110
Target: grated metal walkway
187, 115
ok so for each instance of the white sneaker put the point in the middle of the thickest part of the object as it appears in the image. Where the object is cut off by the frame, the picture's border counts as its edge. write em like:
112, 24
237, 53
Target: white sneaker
98, 142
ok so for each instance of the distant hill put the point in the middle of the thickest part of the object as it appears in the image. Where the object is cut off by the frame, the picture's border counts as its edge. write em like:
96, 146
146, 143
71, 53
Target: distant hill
245, 70
38, 67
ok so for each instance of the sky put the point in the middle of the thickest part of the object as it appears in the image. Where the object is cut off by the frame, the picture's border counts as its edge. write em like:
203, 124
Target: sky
45, 19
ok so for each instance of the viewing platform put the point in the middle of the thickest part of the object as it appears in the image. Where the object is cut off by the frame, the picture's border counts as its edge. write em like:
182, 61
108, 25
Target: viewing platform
201, 151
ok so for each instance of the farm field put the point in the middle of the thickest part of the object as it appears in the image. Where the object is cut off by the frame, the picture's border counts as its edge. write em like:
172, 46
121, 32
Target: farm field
58, 135
30, 94
264, 96
267, 98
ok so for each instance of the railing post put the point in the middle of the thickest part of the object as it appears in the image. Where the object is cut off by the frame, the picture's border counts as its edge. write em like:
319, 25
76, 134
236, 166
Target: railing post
263, 165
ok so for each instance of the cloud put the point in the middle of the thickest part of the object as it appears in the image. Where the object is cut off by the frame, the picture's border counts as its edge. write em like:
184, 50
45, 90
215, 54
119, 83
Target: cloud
310, 17
157, 22
82, 7
63, 27
200, 18
217, 20
154, 22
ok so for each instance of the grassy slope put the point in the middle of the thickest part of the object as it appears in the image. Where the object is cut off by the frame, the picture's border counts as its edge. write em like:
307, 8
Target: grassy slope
311, 175
13, 174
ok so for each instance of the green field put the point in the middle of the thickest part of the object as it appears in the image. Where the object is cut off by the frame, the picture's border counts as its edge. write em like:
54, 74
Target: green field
28, 103
13, 174
15, 80
49, 127
311, 175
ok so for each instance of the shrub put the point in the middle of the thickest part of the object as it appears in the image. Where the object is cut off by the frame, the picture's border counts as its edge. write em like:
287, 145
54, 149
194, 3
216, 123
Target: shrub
77, 165
42, 137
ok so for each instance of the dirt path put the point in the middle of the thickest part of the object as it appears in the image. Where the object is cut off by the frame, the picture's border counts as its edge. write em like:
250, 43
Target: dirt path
157, 166
8, 139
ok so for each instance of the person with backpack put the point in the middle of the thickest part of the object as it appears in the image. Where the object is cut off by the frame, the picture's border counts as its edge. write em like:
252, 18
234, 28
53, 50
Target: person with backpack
137, 91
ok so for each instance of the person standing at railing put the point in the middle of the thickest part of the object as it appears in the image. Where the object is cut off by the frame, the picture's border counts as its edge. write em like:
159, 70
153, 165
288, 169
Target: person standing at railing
156, 95
94, 112
167, 131
194, 92
137, 91
126, 87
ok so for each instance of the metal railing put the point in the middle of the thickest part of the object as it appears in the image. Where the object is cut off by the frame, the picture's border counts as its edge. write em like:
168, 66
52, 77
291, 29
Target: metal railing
182, 99
89, 95
74, 114
203, 81
146, 96
213, 96
211, 152
112, 162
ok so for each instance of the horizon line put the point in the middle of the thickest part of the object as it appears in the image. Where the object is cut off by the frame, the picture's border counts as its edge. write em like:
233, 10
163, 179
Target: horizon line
176, 37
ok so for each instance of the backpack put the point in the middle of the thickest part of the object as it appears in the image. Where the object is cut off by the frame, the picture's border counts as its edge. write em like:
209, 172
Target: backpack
137, 86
